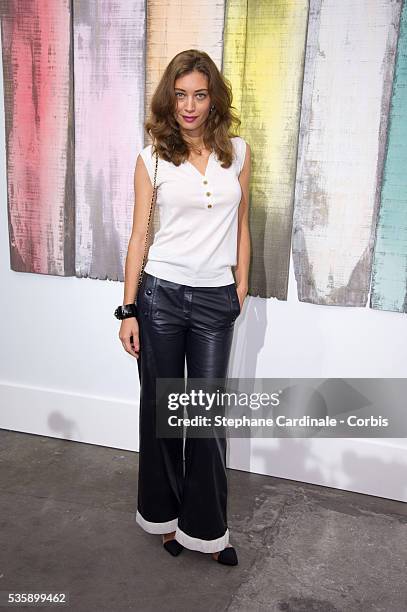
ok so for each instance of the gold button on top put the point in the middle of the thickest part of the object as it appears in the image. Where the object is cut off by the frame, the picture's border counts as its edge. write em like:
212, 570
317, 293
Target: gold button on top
209, 205
208, 193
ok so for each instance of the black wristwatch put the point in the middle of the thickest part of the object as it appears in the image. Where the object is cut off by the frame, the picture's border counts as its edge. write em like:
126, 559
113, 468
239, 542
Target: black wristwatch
126, 311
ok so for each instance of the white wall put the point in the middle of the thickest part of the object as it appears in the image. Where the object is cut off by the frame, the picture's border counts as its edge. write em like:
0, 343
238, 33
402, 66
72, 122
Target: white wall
64, 373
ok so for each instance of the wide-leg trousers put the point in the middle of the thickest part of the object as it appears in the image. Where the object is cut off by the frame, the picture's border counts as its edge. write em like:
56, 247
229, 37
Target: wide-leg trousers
183, 487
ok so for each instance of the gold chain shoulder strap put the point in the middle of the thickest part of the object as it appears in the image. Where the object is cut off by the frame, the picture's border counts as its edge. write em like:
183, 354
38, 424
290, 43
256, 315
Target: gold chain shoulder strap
153, 198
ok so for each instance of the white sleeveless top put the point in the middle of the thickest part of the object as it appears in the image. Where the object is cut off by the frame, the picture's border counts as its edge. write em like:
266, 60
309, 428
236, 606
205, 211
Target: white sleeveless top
196, 243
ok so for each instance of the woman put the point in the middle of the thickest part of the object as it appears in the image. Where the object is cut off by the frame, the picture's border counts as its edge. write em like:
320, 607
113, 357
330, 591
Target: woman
188, 301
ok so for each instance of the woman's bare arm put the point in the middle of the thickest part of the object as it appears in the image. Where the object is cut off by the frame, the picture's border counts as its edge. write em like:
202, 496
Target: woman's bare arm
243, 232
143, 191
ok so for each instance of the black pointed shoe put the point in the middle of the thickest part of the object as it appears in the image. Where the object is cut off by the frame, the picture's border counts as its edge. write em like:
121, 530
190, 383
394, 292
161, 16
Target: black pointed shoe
227, 556
173, 547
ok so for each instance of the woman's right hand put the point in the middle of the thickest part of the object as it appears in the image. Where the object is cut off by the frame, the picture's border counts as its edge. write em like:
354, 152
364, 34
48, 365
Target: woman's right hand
129, 336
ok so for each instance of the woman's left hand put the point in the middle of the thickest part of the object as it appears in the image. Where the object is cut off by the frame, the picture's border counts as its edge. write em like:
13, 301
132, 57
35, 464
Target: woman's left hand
241, 292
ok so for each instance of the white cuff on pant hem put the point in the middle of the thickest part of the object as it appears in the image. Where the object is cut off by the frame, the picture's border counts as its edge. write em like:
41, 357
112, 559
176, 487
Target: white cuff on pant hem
206, 546
150, 527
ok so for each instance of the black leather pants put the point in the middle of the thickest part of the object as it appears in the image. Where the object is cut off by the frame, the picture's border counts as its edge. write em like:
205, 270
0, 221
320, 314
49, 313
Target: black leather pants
177, 323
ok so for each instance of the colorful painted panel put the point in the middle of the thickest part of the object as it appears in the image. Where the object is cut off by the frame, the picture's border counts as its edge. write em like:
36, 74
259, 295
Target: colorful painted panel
264, 50
109, 110
349, 68
70, 211
39, 135
173, 27
389, 279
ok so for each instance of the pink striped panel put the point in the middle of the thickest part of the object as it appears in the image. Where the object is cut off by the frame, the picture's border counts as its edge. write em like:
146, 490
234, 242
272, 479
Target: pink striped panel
39, 135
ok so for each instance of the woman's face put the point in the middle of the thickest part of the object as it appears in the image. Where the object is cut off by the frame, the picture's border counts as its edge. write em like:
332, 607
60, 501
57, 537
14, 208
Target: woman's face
191, 91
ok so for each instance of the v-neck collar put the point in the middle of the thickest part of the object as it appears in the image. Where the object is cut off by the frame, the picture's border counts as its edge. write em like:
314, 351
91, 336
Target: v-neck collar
207, 166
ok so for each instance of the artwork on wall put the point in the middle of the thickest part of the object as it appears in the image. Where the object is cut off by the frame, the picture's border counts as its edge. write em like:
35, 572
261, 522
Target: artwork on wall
38, 105
389, 278
346, 95
263, 58
319, 85
109, 63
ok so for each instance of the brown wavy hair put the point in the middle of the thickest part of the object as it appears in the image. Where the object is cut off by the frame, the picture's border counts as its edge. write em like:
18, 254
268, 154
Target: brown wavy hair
220, 125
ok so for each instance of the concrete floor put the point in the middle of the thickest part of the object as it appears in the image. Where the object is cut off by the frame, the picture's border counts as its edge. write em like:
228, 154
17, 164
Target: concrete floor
68, 524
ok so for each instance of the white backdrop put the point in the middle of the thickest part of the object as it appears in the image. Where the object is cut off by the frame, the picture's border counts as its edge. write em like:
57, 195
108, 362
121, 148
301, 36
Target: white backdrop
64, 373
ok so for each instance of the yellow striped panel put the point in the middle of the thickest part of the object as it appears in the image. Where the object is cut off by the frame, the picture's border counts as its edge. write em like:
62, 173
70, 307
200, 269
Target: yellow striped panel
264, 50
